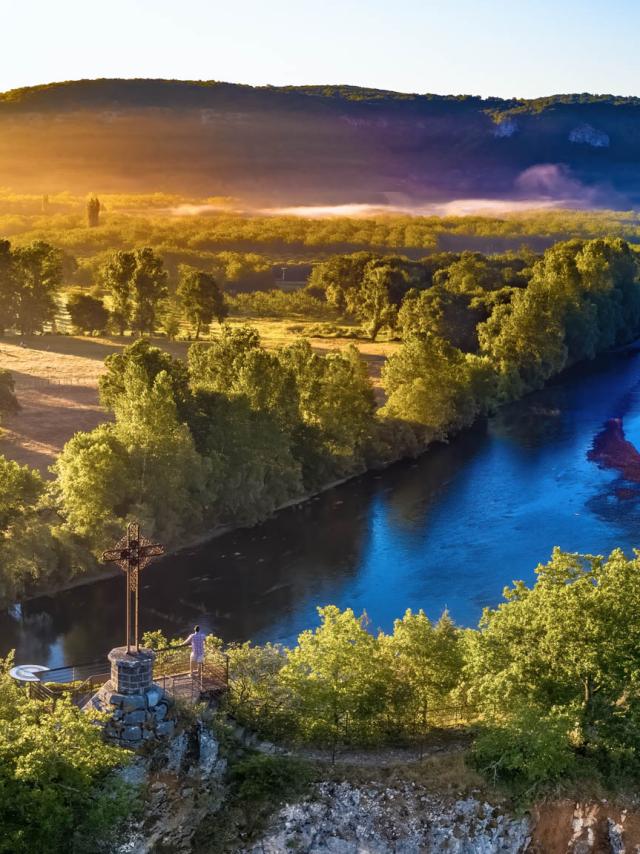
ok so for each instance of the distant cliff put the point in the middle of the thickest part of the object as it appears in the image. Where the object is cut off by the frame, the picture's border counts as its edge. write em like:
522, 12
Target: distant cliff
318, 145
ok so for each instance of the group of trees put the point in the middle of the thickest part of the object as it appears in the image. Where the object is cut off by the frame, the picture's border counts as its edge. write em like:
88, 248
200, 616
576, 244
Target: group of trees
227, 437
134, 282
446, 294
30, 277
231, 435
548, 679
152, 219
578, 299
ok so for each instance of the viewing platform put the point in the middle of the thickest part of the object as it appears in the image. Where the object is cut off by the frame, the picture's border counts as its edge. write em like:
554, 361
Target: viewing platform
170, 670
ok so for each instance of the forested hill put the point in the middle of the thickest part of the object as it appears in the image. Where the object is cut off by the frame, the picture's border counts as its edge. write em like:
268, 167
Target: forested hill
318, 145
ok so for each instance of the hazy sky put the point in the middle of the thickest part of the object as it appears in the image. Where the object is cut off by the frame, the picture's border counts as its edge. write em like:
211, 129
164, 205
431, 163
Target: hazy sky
487, 47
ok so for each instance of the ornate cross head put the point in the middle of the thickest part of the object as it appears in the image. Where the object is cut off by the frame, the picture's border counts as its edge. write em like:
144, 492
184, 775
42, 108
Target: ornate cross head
133, 552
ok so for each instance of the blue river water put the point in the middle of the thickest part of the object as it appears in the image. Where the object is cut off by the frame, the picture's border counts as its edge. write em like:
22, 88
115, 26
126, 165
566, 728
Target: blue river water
448, 530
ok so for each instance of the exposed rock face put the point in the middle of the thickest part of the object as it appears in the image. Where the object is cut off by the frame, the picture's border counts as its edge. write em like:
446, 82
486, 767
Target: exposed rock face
341, 818
585, 828
588, 135
184, 784
505, 128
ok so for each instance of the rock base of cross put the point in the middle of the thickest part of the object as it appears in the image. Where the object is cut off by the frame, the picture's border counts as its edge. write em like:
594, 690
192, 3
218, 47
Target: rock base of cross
138, 709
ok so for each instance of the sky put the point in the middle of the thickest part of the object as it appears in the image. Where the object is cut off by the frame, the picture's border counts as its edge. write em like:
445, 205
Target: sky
521, 48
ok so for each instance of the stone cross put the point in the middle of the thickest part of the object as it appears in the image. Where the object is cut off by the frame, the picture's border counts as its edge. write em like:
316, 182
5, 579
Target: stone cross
132, 553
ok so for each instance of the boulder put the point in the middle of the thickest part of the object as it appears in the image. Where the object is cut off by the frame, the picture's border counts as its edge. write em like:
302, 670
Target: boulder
133, 702
154, 695
131, 733
138, 717
165, 728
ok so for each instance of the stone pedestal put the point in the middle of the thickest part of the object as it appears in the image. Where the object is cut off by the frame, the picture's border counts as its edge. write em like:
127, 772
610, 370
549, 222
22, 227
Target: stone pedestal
138, 709
131, 672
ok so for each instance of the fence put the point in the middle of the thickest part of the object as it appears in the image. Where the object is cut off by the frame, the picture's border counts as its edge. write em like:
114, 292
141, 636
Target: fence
335, 729
27, 382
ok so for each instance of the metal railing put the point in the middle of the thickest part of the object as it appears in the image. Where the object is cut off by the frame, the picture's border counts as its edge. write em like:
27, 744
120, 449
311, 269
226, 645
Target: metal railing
171, 670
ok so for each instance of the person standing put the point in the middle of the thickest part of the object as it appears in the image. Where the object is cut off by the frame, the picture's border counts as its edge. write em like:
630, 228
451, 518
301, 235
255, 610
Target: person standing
196, 639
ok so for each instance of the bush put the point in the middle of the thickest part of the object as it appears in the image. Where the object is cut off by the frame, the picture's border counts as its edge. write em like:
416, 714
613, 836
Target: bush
526, 751
261, 778
87, 313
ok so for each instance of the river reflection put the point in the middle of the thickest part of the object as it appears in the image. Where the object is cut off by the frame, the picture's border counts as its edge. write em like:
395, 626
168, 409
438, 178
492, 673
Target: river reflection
446, 531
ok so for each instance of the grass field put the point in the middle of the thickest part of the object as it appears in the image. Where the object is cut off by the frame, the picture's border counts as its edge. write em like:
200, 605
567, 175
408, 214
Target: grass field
57, 384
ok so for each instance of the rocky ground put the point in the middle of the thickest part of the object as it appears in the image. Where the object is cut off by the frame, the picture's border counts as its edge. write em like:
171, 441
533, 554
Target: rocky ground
186, 785
341, 818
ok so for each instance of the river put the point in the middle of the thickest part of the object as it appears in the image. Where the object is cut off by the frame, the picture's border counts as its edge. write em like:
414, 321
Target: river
448, 530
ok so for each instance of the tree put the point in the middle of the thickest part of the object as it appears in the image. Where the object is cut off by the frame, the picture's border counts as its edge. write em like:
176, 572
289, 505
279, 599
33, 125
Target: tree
152, 360
20, 489
87, 313
148, 288
214, 367
201, 297
334, 680
373, 305
8, 287
336, 401
145, 465
253, 470
426, 661
93, 211
38, 270
435, 386
525, 341
567, 647
116, 275
29, 549
339, 277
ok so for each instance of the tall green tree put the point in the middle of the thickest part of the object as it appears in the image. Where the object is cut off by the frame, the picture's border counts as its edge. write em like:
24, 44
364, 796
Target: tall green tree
148, 289
88, 313
373, 303
202, 298
38, 271
334, 679
116, 277
427, 660
143, 466
8, 287
151, 360
215, 367
336, 401
436, 387
29, 550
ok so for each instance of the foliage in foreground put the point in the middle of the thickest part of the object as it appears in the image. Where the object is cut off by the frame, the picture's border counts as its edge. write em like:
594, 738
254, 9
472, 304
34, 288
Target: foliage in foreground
549, 679
56, 794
